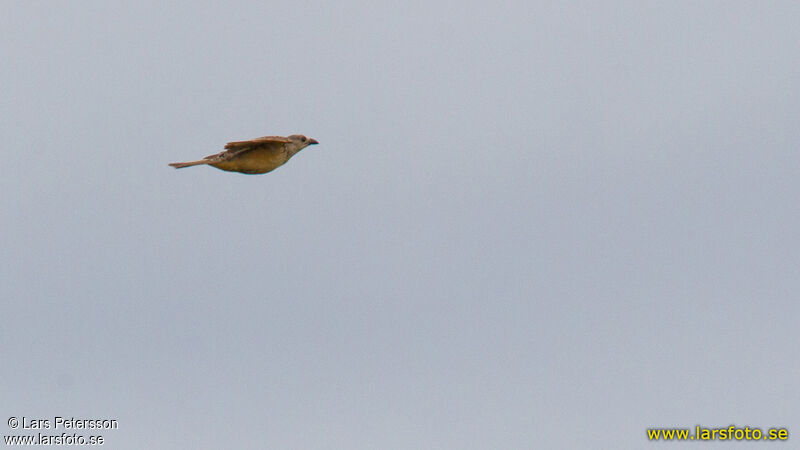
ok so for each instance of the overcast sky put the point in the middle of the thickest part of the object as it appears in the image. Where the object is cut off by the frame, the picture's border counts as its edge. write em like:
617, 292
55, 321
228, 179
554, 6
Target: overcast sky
527, 225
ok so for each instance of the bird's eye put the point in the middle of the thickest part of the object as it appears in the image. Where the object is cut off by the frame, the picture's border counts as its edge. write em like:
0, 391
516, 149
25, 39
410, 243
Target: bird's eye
303, 138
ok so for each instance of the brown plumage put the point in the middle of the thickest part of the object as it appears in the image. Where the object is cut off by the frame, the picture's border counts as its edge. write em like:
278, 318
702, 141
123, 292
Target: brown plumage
259, 155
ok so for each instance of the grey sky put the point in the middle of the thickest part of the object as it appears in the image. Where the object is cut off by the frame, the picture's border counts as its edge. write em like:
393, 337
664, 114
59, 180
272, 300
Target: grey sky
528, 224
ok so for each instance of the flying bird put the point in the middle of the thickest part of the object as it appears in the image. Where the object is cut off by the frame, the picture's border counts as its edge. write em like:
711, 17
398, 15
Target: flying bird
259, 155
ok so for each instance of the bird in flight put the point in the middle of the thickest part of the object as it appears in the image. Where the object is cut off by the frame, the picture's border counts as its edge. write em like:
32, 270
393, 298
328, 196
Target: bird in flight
259, 155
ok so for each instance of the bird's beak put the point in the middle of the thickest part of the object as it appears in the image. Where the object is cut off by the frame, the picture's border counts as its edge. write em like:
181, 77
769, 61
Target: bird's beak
312, 142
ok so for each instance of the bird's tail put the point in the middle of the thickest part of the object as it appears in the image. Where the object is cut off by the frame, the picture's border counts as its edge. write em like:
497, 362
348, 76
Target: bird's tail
181, 165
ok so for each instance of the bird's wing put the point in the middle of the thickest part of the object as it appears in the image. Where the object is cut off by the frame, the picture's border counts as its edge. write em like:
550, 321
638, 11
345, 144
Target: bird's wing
233, 149
257, 141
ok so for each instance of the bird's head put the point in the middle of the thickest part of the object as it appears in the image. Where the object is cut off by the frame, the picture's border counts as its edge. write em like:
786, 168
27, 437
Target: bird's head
300, 142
